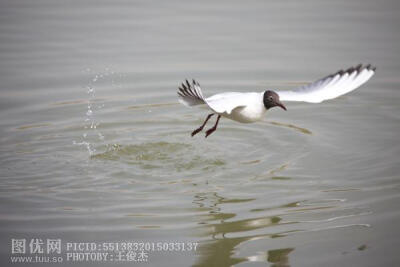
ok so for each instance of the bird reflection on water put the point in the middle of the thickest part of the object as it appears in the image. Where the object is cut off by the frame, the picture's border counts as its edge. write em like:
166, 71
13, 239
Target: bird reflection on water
221, 250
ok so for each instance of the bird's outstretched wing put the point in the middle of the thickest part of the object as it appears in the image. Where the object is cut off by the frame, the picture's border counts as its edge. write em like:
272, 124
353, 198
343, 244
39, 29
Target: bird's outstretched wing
190, 94
226, 102
331, 86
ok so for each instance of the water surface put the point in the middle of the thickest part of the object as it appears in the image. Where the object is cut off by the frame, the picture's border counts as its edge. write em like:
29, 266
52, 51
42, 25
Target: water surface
95, 147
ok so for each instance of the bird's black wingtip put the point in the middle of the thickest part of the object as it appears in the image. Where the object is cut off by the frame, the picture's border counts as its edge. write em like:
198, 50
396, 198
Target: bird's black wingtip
373, 68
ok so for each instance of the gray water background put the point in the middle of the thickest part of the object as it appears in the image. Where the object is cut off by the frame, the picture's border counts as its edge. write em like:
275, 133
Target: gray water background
95, 147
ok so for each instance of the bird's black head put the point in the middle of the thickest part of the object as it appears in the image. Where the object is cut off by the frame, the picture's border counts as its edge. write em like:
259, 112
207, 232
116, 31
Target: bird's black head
271, 99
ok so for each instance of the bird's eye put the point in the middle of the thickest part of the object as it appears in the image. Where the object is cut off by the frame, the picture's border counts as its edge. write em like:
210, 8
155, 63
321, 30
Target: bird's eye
270, 98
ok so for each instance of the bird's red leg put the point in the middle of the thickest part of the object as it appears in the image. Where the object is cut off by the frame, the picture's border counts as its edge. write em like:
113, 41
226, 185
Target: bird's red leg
211, 130
202, 126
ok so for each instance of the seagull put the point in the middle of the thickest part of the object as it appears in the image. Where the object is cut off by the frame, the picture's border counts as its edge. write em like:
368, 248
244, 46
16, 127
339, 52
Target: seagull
250, 107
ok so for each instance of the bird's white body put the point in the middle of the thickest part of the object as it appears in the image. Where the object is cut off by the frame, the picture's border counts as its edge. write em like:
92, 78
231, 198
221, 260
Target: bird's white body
250, 108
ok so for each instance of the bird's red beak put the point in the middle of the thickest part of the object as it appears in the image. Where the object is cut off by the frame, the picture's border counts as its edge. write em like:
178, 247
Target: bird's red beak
281, 105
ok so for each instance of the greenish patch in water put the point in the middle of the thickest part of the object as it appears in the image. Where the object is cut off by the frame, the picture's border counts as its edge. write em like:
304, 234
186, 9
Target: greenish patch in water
291, 126
251, 162
26, 127
177, 156
142, 152
291, 205
362, 247
279, 257
236, 200
275, 219
280, 178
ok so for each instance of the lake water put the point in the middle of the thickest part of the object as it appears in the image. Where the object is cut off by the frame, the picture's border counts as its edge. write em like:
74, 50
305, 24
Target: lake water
96, 148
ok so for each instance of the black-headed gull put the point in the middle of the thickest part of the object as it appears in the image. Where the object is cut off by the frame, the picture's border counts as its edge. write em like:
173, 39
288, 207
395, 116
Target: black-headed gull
250, 107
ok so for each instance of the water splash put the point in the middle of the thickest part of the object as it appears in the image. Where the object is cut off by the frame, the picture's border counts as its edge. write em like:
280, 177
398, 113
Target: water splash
87, 145
92, 133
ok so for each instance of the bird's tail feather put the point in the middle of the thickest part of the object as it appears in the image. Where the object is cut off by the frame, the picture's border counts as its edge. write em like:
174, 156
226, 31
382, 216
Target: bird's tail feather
190, 94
